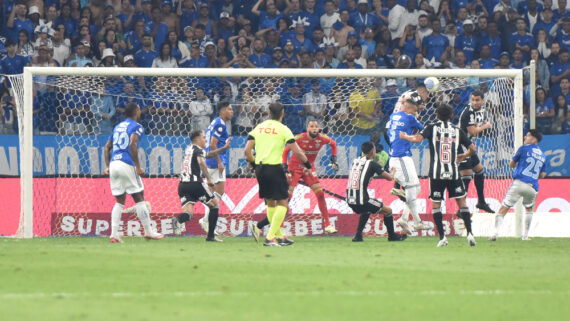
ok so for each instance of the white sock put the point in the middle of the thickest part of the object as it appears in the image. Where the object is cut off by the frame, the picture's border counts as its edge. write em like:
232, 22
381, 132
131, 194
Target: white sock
143, 215
414, 210
405, 213
527, 221
116, 219
498, 222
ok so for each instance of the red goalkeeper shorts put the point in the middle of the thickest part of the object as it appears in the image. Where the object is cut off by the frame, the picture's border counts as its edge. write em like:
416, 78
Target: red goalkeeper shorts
309, 179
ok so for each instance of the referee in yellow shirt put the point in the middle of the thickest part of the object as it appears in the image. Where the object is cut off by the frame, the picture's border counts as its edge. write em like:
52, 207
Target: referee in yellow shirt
269, 139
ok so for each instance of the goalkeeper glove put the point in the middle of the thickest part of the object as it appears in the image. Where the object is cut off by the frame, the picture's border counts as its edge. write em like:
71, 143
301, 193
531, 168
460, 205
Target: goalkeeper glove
333, 163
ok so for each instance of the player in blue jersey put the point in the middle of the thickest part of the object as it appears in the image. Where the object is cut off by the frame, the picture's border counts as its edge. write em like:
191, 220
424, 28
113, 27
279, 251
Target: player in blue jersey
529, 163
121, 157
400, 159
216, 136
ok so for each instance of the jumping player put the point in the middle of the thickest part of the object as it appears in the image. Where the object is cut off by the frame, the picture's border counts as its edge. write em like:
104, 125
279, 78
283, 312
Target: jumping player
122, 160
529, 163
192, 189
401, 160
445, 140
216, 136
362, 170
473, 122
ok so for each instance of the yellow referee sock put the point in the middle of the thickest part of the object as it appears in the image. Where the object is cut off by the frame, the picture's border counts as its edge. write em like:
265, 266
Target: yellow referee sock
278, 217
270, 212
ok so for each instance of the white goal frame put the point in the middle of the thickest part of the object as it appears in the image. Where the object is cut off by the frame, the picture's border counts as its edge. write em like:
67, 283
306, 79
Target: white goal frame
26, 148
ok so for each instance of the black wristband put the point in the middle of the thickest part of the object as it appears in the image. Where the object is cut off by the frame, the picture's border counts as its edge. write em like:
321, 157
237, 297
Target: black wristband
308, 165
333, 159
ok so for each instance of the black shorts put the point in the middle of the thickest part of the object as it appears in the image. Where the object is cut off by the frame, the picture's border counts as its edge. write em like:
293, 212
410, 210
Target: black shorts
470, 162
192, 192
372, 206
437, 188
272, 182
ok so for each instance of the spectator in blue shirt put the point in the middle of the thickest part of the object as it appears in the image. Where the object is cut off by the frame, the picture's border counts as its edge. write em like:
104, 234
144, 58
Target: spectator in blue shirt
225, 26
267, 18
493, 39
294, 109
363, 19
563, 34
259, 58
300, 41
133, 38
559, 70
523, 6
485, 59
435, 44
545, 22
367, 42
17, 21
410, 41
175, 45
66, 20
562, 12
521, 39
195, 60
145, 56
504, 60
80, 59
311, 16
544, 111
187, 12
518, 61
156, 28
467, 42
210, 26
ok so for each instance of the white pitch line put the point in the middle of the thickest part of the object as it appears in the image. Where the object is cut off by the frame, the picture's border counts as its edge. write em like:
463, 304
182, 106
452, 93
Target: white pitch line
71, 295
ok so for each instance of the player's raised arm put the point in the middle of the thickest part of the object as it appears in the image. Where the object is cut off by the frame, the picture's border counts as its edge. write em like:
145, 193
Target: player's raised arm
215, 152
411, 138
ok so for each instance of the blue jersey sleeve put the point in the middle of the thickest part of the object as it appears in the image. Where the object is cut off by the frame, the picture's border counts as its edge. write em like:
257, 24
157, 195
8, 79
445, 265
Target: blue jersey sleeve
417, 124
517, 156
218, 131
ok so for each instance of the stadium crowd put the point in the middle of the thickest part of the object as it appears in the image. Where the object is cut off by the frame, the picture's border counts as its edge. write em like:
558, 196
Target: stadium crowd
342, 34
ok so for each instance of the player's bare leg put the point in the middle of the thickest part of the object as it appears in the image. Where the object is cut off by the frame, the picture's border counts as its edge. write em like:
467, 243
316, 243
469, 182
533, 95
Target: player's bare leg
219, 189
144, 217
116, 218
318, 191
179, 222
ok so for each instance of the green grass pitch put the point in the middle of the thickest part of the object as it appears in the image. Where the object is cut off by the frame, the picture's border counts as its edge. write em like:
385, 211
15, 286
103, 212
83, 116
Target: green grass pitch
319, 278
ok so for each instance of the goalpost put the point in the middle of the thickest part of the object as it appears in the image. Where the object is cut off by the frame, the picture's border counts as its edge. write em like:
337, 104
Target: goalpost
63, 192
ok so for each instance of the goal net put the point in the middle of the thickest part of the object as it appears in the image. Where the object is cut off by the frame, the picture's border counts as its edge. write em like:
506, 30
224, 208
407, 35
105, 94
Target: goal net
66, 115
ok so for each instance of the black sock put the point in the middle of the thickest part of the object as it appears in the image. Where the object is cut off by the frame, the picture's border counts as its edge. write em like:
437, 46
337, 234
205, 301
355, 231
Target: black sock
480, 186
438, 220
212, 222
466, 180
361, 223
183, 218
263, 223
389, 222
466, 216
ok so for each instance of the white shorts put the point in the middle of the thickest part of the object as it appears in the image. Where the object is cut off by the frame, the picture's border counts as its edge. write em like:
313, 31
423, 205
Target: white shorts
216, 176
406, 174
124, 179
517, 190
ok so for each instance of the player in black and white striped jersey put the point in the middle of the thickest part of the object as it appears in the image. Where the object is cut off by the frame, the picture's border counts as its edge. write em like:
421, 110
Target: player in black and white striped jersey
445, 145
361, 171
474, 122
192, 188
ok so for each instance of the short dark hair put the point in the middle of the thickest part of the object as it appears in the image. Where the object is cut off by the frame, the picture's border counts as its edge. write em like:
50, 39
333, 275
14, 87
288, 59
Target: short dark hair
131, 109
222, 105
420, 85
411, 101
536, 134
367, 147
477, 93
195, 134
275, 110
444, 112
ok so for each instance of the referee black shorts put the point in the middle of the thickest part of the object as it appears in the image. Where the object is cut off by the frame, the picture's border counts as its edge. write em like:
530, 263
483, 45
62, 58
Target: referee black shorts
272, 182
372, 206
192, 192
470, 162
437, 189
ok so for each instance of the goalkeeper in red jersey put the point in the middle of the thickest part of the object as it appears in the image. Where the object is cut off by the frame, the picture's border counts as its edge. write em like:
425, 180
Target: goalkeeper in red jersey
311, 143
